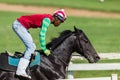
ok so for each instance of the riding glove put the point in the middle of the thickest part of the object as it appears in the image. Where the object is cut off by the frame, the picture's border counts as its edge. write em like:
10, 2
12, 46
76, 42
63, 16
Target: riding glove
47, 52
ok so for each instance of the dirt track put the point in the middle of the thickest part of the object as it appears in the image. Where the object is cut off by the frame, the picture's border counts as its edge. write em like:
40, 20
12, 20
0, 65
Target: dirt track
69, 11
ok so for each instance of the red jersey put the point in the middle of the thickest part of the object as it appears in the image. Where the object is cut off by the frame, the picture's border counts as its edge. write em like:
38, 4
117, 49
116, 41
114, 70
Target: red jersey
33, 21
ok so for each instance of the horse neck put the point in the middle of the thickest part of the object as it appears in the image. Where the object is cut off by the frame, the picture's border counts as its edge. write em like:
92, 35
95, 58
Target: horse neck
65, 50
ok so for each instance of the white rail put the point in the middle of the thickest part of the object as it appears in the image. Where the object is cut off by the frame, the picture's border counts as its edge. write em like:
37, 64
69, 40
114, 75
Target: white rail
94, 66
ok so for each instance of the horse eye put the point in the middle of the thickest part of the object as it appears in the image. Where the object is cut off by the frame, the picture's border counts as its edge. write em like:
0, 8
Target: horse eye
85, 40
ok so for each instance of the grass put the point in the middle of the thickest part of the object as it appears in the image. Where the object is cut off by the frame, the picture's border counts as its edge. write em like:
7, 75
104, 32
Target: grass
103, 33
85, 74
108, 5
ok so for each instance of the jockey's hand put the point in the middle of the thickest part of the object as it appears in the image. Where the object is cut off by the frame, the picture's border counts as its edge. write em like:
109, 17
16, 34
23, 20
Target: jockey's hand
47, 52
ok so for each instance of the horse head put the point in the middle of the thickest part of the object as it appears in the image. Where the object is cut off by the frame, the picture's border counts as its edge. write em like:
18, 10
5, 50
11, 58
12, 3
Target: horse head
84, 46
73, 41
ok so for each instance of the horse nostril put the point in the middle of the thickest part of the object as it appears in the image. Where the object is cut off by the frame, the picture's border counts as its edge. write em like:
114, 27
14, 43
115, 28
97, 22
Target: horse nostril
97, 58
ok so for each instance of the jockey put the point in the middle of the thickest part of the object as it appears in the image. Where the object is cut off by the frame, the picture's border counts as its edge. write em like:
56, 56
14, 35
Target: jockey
21, 26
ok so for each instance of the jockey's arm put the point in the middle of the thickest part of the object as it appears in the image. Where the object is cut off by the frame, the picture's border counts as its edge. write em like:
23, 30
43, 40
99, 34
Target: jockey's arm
42, 35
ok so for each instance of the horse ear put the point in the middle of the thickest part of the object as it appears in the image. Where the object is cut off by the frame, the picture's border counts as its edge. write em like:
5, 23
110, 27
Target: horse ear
75, 29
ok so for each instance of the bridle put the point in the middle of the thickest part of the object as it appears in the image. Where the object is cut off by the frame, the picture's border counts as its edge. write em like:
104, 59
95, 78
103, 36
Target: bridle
79, 43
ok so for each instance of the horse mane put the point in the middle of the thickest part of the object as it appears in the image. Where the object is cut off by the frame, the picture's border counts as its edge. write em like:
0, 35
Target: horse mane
57, 40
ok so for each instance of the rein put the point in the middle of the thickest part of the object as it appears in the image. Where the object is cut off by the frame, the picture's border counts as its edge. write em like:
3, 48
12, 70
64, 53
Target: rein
60, 59
66, 64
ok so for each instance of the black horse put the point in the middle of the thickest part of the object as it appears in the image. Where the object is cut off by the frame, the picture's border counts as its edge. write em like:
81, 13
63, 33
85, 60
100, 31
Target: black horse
53, 67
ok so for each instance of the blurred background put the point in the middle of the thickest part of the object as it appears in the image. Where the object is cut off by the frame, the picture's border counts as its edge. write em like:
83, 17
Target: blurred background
99, 19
